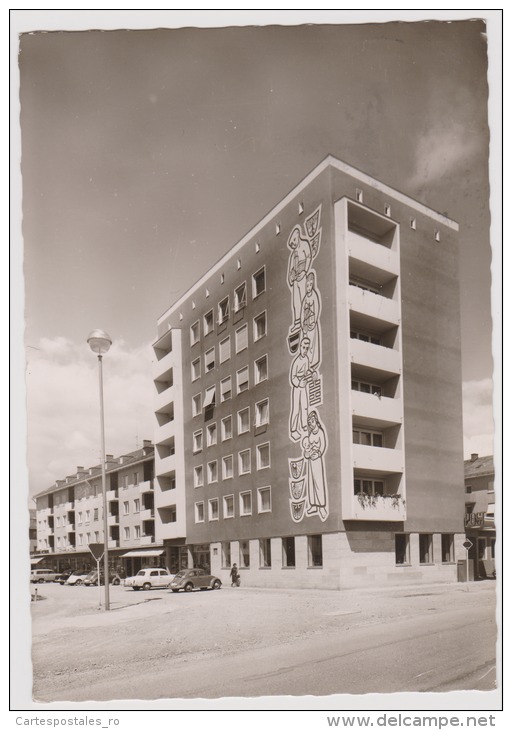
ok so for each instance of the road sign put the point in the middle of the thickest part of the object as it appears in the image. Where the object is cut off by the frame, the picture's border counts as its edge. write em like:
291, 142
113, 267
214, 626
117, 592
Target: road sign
467, 544
97, 549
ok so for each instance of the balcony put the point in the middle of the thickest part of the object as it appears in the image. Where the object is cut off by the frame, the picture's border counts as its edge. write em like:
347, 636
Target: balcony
165, 432
378, 508
377, 460
162, 400
70, 528
163, 364
371, 257
112, 519
379, 410
147, 540
146, 486
112, 495
147, 514
113, 544
166, 464
69, 506
373, 305
377, 357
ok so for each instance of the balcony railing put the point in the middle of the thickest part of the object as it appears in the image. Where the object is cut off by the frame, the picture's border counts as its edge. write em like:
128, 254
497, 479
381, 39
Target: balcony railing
373, 305
376, 407
389, 508
147, 539
375, 356
377, 459
145, 487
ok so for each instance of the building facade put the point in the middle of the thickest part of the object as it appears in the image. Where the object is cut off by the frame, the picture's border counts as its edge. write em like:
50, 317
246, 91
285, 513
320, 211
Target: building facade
480, 515
308, 415
69, 516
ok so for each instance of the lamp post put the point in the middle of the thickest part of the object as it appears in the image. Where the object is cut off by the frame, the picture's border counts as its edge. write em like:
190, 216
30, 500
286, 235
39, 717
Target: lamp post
100, 342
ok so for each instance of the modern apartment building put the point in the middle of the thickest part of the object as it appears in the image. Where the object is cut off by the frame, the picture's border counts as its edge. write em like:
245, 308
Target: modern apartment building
69, 516
308, 415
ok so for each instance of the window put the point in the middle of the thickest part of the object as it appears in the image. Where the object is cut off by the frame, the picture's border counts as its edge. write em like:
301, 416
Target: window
412, 223
367, 438
196, 369
469, 488
265, 553
288, 552
211, 434
447, 548
136, 505
241, 339
365, 285
223, 314
263, 456
196, 404
490, 486
209, 397
387, 210
225, 349
367, 387
212, 472
245, 503
244, 560
359, 195
208, 322
260, 370
199, 511
262, 413
242, 380
126, 533
437, 235
225, 389
79, 518
135, 478
365, 337
209, 360
402, 549
197, 440
226, 554
198, 476
244, 462
426, 556
226, 428
315, 557
229, 506
95, 516
371, 487
137, 531
227, 467
258, 283
126, 508
213, 509
264, 501
88, 515
244, 421
259, 326
194, 333
240, 297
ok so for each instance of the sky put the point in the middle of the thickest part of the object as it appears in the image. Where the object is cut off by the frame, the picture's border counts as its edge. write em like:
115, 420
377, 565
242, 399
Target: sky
147, 154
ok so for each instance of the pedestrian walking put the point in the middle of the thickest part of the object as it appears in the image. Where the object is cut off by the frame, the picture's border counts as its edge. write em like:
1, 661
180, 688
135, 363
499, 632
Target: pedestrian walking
235, 576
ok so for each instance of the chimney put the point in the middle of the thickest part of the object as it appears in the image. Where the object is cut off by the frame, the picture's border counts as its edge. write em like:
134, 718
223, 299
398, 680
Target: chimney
474, 457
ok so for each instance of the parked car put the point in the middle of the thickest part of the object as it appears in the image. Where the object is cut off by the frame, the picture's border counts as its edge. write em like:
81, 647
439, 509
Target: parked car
42, 575
148, 578
187, 580
92, 579
62, 577
77, 577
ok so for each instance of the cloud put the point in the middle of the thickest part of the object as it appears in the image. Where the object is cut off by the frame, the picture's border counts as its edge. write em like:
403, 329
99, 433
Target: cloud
441, 150
478, 417
63, 406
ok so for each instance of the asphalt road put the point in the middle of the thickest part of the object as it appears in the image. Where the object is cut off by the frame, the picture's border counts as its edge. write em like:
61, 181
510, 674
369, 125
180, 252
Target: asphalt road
252, 643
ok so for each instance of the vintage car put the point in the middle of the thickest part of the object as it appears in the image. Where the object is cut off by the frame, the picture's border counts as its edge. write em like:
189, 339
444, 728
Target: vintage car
43, 575
77, 577
148, 578
92, 579
187, 580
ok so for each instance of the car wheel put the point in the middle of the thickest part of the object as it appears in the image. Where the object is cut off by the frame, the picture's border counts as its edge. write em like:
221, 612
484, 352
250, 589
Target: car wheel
116, 582
146, 586
41, 580
175, 590
216, 585
136, 588
79, 582
189, 587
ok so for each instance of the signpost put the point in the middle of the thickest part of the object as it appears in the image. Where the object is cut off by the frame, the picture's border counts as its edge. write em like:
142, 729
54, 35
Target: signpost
467, 544
97, 549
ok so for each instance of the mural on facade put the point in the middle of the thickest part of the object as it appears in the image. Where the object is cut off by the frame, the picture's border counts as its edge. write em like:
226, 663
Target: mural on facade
307, 483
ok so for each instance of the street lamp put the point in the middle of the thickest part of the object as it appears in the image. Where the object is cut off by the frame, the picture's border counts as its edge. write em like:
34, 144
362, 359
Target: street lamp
100, 342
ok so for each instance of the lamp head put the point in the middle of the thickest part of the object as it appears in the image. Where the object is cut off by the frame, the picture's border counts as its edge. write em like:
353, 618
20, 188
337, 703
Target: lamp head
99, 342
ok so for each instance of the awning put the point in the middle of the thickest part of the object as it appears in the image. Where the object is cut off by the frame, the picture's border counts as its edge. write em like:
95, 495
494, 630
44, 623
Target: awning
143, 554
34, 561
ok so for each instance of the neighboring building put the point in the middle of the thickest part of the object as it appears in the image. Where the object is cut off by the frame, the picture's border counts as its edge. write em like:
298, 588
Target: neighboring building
32, 531
70, 516
479, 520
308, 415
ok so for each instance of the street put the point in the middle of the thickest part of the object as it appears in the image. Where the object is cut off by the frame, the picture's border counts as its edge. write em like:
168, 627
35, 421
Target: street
252, 642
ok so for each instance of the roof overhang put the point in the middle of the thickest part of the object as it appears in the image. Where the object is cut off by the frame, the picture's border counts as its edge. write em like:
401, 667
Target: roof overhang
143, 554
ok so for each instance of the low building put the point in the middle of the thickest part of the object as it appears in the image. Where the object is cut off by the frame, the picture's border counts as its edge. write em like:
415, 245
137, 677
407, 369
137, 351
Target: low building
480, 518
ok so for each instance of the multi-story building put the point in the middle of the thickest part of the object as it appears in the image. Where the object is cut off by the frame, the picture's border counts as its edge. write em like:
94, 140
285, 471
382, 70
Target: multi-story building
70, 516
479, 520
308, 416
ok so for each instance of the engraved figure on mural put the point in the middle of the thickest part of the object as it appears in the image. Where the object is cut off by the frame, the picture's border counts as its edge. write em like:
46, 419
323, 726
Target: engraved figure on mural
310, 319
298, 268
300, 375
314, 445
